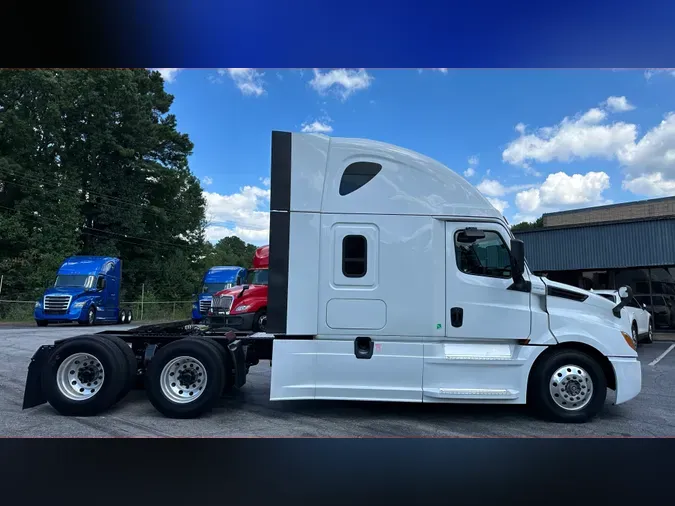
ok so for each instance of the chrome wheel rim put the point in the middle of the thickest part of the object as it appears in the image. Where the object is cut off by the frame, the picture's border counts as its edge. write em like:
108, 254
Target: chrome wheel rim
571, 387
80, 377
650, 331
635, 336
183, 380
262, 322
91, 316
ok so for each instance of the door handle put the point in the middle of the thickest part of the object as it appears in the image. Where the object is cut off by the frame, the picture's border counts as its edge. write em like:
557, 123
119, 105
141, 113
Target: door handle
363, 347
456, 316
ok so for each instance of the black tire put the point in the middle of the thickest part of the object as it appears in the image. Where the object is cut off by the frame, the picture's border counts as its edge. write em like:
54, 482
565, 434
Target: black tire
224, 356
132, 363
122, 317
130, 316
215, 373
91, 317
650, 333
42, 323
114, 367
634, 332
541, 399
260, 321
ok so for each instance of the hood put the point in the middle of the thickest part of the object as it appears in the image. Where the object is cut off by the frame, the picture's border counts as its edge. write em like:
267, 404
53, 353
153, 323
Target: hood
592, 299
253, 291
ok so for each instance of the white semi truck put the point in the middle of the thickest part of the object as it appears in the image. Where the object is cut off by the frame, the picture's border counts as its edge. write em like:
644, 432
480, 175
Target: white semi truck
348, 216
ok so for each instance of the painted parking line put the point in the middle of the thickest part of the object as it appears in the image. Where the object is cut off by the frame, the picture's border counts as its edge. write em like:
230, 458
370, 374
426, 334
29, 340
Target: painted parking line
658, 359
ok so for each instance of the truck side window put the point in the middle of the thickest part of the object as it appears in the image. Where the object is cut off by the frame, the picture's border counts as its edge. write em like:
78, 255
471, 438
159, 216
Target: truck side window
354, 256
356, 175
100, 283
487, 256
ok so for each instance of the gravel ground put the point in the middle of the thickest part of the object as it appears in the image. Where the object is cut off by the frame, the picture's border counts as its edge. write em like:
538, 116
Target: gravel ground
250, 413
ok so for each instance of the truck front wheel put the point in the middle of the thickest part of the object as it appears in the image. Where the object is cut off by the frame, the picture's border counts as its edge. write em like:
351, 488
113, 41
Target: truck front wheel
567, 386
260, 321
91, 317
185, 378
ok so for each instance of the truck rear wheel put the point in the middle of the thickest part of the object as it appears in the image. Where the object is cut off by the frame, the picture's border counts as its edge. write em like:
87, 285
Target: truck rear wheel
122, 318
130, 316
225, 357
567, 386
84, 376
132, 363
185, 378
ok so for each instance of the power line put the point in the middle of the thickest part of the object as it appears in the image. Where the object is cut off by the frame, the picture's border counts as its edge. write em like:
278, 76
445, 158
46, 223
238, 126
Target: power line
107, 232
66, 187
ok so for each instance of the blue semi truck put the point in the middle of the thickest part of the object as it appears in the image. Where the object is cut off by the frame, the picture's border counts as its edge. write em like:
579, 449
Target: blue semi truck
216, 279
87, 291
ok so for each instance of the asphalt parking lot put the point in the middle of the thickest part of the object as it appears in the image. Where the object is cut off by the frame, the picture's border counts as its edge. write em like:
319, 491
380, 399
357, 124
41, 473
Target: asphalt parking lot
250, 413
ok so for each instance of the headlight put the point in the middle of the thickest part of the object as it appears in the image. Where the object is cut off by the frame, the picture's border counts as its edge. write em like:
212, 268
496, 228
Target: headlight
38, 304
80, 303
239, 309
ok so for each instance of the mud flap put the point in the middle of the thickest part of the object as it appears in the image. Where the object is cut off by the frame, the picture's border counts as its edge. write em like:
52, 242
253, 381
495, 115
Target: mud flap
239, 361
33, 395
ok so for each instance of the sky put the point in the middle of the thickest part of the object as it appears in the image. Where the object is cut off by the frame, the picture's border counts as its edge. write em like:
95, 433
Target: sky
532, 141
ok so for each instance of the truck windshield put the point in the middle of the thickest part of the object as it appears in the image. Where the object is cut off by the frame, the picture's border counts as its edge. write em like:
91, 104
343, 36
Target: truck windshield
258, 277
79, 280
215, 287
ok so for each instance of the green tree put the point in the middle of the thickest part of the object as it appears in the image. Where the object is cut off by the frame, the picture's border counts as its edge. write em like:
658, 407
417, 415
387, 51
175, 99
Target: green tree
92, 162
525, 225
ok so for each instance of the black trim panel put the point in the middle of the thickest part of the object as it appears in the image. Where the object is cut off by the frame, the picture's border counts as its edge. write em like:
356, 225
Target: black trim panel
280, 174
554, 291
277, 297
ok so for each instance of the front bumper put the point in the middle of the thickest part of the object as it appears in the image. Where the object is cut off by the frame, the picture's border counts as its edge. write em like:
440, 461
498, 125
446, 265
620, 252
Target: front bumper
628, 373
70, 315
242, 321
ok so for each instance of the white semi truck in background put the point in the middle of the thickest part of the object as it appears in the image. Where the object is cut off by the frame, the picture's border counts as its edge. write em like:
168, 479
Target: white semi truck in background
348, 216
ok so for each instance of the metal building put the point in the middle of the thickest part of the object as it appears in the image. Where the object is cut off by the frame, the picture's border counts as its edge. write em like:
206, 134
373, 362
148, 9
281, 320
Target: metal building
611, 246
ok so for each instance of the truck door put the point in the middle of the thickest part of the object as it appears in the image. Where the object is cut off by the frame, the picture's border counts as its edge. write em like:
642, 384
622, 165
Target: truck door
112, 300
102, 292
478, 276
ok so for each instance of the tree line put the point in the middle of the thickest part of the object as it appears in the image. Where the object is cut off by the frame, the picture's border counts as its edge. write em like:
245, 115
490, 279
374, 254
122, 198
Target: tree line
92, 163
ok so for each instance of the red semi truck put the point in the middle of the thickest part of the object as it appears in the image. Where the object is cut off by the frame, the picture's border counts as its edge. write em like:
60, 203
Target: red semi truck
244, 307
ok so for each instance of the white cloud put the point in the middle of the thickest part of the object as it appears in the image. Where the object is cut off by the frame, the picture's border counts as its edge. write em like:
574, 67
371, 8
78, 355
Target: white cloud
317, 127
619, 104
169, 75
579, 137
249, 81
655, 150
244, 214
649, 73
207, 180
473, 160
469, 172
493, 188
265, 181
343, 82
562, 190
650, 185
520, 218
498, 204
258, 237
444, 71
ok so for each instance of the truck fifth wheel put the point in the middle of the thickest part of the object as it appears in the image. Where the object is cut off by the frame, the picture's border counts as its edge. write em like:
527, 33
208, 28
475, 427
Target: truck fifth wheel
348, 216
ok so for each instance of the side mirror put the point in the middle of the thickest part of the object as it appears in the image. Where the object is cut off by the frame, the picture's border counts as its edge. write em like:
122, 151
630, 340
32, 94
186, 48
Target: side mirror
644, 306
517, 258
243, 289
625, 292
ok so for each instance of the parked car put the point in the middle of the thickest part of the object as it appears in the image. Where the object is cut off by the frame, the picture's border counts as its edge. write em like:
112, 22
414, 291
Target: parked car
661, 308
642, 324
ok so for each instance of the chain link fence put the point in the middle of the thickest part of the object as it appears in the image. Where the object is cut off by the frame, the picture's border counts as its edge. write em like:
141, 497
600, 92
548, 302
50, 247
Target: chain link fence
17, 311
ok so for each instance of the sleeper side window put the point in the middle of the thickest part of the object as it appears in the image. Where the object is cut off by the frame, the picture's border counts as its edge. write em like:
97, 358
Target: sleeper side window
487, 255
356, 175
354, 256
